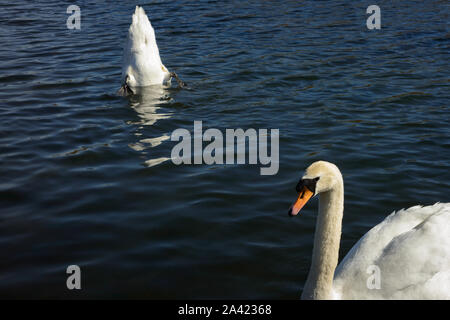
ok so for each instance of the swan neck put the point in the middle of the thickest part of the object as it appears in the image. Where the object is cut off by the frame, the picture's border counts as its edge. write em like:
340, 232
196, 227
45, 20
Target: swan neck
327, 237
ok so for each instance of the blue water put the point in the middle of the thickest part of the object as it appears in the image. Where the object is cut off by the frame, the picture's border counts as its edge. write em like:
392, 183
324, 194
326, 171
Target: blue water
83, 179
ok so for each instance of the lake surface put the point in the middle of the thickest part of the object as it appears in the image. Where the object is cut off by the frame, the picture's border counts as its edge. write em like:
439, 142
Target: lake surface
83, 176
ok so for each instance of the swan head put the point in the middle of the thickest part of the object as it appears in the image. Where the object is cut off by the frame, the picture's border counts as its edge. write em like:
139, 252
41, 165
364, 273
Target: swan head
319, 177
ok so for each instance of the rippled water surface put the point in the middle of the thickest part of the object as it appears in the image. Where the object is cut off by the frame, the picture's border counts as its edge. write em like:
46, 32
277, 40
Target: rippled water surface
84, 173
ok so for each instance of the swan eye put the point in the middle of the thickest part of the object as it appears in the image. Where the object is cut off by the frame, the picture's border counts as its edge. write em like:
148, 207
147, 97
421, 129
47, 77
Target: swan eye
309, 183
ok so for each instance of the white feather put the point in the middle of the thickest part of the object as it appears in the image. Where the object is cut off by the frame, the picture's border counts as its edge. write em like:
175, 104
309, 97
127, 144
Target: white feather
410, 247
142, 65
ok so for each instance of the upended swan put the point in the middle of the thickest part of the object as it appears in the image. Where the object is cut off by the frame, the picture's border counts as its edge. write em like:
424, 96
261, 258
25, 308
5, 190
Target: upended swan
142, 65
409, 251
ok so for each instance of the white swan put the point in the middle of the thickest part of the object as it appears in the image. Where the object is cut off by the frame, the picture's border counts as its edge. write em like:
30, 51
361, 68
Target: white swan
407, 256
142, 65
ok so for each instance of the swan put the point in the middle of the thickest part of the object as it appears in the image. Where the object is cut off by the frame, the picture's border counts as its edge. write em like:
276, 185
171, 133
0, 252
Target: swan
142, 65
408, 252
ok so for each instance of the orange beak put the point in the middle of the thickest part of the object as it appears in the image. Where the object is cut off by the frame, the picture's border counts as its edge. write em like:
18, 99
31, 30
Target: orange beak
303, 197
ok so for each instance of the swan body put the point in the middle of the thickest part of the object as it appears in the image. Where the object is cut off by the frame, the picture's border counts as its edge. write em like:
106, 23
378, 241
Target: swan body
142, 65
408, 252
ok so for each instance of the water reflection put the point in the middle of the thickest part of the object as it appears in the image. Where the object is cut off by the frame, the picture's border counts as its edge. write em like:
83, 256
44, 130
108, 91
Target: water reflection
148, 103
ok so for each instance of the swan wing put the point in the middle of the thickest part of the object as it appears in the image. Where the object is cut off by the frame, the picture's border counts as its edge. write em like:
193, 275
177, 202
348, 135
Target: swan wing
408, 252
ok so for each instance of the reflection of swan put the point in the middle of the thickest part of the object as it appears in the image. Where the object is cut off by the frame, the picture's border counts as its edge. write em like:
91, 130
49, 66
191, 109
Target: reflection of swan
142, 65
408, 253
147, 104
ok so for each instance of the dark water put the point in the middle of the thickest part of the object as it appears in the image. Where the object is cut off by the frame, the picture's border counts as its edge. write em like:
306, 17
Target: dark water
82, 180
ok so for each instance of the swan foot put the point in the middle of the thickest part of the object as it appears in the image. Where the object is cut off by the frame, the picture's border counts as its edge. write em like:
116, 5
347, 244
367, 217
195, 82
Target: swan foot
180, 82
124, 90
